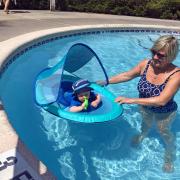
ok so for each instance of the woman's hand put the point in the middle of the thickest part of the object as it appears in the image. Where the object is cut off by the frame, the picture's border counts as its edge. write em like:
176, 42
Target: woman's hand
124, 100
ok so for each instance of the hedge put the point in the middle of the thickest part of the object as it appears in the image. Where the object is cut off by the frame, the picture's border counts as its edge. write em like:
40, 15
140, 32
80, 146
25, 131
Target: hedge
163, 9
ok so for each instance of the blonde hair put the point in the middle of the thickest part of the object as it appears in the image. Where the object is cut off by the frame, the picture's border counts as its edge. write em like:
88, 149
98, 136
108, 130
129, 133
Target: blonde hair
169, 44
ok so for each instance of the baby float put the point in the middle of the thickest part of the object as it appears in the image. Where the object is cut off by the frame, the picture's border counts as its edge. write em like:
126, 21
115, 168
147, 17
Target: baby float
52, 84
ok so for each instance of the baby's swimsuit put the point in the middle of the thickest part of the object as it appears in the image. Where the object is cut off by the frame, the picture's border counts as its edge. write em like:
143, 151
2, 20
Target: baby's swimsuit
72, 100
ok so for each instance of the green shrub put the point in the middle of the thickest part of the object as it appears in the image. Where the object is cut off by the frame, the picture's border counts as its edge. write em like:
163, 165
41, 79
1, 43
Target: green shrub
165, 9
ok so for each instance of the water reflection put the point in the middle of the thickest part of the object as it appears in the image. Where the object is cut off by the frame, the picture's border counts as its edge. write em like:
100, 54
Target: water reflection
103, 151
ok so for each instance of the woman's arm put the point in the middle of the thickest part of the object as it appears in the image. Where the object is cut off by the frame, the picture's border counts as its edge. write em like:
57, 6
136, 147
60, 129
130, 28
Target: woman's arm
166, 95
126, 76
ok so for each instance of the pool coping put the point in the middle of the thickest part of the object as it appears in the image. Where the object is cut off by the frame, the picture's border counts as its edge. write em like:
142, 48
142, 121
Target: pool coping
10, 46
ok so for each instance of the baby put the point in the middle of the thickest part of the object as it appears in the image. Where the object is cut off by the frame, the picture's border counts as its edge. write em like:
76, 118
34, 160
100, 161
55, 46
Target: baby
83, 98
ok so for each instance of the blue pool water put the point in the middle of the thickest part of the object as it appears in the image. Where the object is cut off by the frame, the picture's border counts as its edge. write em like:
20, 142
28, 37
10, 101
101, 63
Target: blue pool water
77, 151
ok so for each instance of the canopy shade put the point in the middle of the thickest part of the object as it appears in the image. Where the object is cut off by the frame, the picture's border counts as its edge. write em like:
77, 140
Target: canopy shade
80, 62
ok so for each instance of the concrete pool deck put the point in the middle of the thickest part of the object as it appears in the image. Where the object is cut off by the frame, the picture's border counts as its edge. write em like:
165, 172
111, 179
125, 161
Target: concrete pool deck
20, 22
25, 21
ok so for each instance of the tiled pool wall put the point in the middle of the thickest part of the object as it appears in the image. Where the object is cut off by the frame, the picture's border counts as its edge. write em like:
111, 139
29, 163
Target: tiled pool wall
61, 35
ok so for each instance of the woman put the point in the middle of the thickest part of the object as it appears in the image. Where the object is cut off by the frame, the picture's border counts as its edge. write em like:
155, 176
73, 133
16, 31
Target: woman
159, 82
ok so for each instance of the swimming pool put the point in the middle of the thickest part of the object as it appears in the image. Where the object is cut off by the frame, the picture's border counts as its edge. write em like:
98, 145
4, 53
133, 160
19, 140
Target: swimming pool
87, 151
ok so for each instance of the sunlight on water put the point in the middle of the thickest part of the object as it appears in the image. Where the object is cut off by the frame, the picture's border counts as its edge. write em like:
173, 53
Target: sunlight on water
57, 130
67, 170
85, 164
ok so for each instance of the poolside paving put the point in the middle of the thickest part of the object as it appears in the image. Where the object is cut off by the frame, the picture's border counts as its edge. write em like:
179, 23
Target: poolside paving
25, 21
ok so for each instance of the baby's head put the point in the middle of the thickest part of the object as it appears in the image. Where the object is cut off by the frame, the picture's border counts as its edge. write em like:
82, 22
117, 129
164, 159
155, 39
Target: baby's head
81, 89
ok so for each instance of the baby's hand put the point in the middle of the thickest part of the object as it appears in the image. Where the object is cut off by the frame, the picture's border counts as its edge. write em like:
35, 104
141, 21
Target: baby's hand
83, 105
94, 104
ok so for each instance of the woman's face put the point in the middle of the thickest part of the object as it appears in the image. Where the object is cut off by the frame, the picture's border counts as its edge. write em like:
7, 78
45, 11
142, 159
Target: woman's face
82, 95
159, 58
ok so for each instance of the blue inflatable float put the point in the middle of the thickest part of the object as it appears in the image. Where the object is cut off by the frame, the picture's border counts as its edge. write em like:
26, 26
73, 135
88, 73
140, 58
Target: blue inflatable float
80, 62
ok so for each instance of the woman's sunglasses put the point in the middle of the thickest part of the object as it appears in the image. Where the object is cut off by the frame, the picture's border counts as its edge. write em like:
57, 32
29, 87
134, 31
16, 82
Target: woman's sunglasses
159, 55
